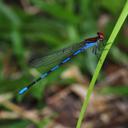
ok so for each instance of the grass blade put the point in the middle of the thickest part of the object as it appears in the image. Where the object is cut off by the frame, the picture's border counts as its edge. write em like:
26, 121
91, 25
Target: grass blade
110, 41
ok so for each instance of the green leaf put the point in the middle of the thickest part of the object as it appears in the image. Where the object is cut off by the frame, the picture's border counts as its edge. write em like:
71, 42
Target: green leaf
10, 14
119, 56
120, 90
113, 6
57, 11
14, 123
17, 43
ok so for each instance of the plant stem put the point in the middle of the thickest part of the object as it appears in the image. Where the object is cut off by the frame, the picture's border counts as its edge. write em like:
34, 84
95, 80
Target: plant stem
109, 43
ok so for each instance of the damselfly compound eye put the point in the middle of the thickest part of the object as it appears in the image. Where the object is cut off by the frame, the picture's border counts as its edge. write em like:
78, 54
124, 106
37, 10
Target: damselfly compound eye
100, 36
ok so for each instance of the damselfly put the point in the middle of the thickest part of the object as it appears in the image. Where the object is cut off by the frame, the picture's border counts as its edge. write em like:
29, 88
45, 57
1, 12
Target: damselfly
68, 53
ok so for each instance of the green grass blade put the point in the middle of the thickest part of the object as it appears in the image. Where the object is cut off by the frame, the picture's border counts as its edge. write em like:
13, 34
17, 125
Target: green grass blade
120, 90
10, 14
110, 41
57, 11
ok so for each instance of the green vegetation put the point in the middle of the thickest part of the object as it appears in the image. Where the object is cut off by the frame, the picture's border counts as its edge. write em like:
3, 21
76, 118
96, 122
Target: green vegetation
109, 43
30, 29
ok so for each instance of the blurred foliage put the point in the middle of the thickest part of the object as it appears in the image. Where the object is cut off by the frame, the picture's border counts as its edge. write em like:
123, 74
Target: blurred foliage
119, 90
14, 124
47, 25
32, 28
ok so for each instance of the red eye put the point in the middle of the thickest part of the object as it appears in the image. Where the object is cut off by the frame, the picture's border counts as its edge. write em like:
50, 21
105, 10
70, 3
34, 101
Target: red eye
100, 35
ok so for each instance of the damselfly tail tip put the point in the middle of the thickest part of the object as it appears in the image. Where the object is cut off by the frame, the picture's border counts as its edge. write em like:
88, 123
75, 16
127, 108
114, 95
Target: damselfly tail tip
22, 91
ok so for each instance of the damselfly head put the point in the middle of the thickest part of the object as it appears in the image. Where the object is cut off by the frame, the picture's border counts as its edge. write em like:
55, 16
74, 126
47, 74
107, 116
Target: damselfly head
100, 36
